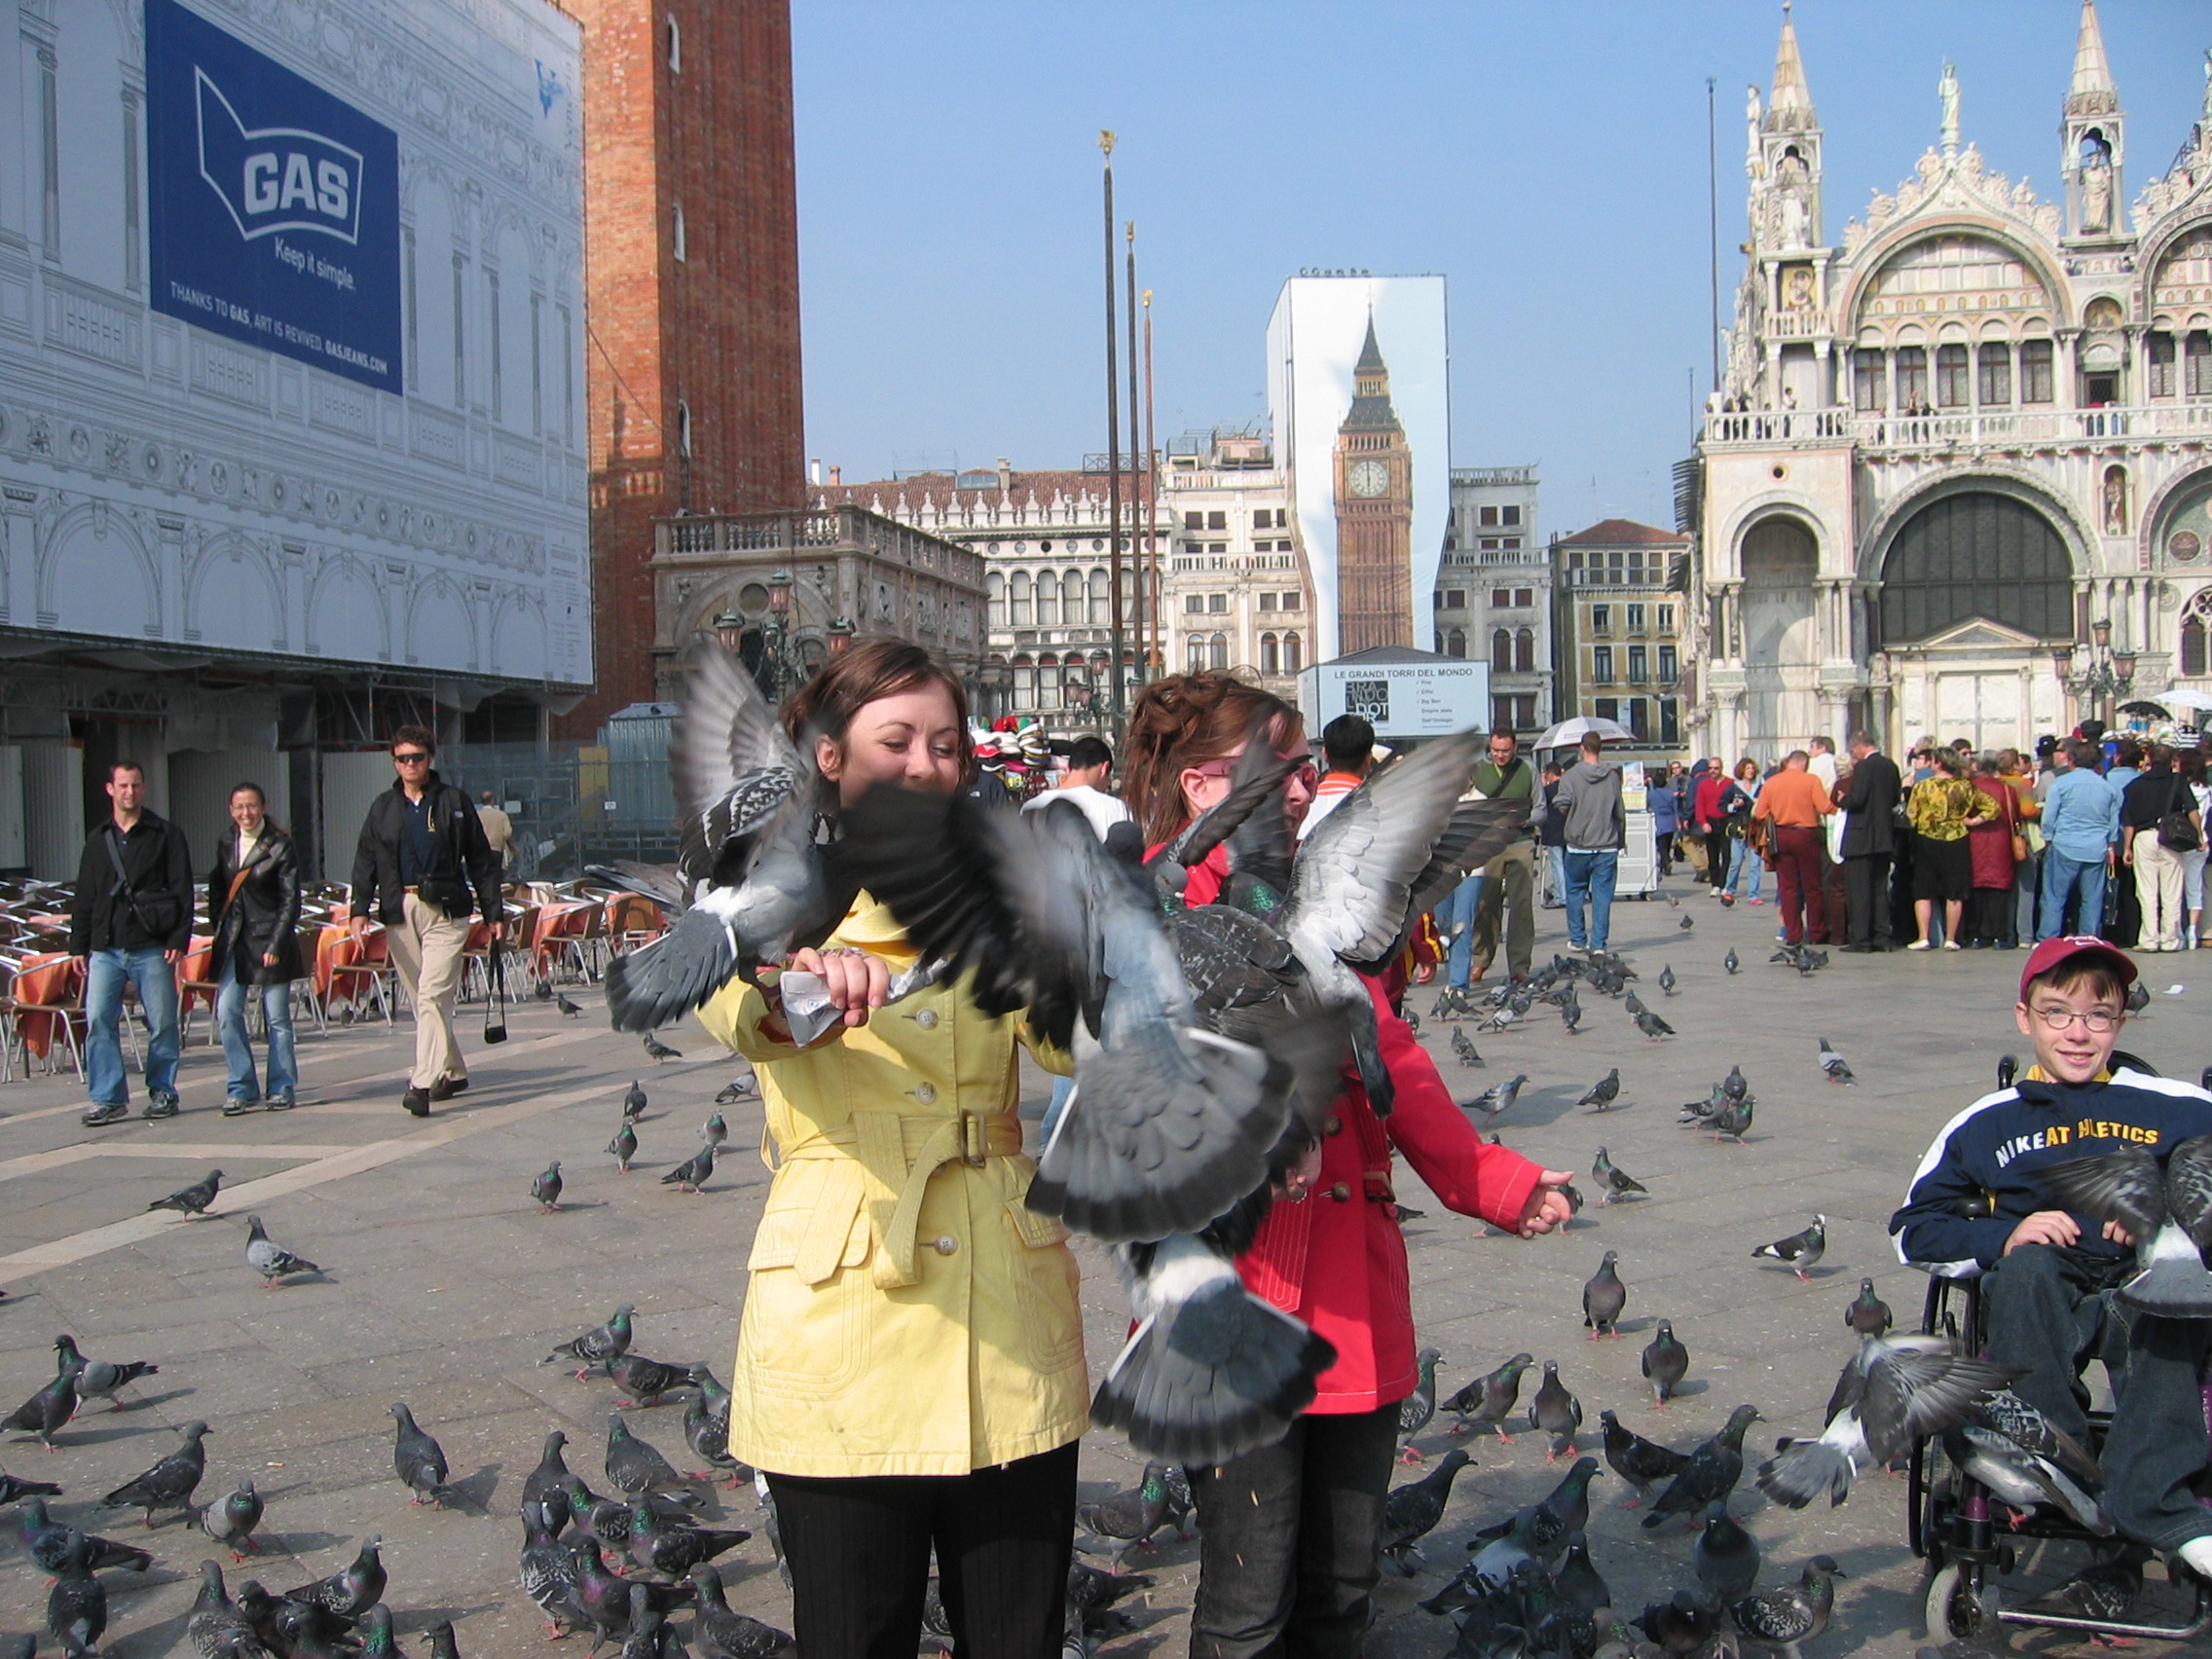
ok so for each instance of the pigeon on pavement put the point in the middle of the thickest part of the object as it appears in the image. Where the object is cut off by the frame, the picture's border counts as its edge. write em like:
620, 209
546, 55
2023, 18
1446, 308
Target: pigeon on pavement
76, 1607
1730, 962
169, 1483
1616, 1184
1795, 1613
568, 1007
1726, 1557
418, 1460
1497, 1100
1643, 1464
193, 1199
1733, 1084
672, 1550
1894, 1390
270, 1259
599, 1345
1463, 1049
51, 1545
1833, 1065
1801, 1251
2168, 1212
1666, 980
1410, 1511
1556, 1412
1730, 1120
736, 1090
1604, 1091
100, 1378
693, 1173
645, 1380
11, 1489
713, 1132
1687, 923
658, 1050
230, 1520
1604, 1298
1130, 1516
547, 1573
636, 1467
546, 1486
546, 1188
1490, 1399
1868, 1315
723, 1634
353, 1589
216, 1629
1653, 1026
46, 1411
623, 1147
1679, 1627
706, 1428
1578, 1585
632, 1102
1544, 1528
1711, 1473
1665, 1362
1417, 1408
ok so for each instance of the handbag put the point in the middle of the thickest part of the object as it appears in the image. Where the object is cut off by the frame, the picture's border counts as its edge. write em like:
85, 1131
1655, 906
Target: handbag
2176, 833
496, 1005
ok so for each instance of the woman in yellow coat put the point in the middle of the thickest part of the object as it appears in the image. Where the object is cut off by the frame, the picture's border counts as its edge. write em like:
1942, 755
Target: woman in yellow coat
909, 1367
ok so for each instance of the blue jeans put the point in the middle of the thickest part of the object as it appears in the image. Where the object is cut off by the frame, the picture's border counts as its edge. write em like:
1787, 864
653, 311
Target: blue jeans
230, 1020
2062, 876
1459, 913
1556, 859
1590, 877
105, 971
1738, 849
1063, 1087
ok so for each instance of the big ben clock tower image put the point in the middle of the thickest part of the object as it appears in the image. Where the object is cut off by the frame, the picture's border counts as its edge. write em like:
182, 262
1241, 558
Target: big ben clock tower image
1375, 514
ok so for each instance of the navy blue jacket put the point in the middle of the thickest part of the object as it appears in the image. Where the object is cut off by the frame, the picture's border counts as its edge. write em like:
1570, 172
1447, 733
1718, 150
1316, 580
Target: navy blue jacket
1992, 1150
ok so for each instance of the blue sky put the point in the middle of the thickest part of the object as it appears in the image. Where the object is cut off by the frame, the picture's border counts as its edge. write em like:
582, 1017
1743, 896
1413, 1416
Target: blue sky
1548, 159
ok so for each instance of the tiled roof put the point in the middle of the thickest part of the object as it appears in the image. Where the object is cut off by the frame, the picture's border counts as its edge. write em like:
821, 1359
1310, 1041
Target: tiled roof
1623, 532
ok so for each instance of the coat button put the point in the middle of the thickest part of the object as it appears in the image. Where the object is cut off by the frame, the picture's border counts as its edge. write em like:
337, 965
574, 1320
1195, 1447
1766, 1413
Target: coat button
1341, 1192
925, 1093
927, 1020
1332, 1125
944, 1244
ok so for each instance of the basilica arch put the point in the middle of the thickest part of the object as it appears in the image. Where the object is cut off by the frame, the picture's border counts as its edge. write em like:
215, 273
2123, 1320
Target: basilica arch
1779, 555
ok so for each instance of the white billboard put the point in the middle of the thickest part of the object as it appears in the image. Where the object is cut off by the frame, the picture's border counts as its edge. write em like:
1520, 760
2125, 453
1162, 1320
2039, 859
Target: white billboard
1358, 369
1398, 699
291, 335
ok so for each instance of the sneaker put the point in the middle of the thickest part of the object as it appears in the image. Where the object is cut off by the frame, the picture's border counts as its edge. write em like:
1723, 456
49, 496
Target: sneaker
1756, 900
160, 1106
445, 1088
236, 1106
113, 1113
417, 1102
278, 1103
1920, 945
1950, 945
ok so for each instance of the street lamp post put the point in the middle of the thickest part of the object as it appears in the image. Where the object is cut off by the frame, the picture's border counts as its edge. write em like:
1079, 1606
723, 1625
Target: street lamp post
2105, 680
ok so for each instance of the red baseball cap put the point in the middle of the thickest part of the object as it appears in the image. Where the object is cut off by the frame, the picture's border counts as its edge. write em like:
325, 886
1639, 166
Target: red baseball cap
2064, 948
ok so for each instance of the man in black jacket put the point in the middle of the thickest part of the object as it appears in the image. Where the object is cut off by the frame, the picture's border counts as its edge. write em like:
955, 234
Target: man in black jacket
130, 920
1869, 840
421, 852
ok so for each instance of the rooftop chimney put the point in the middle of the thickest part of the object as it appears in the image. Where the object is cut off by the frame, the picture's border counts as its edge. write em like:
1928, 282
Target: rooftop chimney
814, 471
836, 476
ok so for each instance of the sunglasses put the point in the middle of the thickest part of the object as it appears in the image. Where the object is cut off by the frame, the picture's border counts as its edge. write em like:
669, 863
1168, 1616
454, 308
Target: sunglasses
413, 757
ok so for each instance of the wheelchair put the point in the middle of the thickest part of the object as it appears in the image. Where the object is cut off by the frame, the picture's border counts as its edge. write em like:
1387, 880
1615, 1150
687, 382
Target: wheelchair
1968, 1539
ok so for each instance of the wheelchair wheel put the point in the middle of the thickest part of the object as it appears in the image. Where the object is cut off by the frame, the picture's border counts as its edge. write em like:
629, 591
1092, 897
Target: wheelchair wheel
1959, 1606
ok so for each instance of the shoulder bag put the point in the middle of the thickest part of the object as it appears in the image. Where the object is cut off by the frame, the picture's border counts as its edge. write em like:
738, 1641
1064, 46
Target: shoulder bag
157, 913
2176, 833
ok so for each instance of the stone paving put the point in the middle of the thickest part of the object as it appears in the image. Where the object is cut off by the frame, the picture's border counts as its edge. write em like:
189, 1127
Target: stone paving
445, 1286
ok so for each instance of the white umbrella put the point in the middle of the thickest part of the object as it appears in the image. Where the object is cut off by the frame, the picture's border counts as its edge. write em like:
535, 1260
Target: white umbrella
1568, 733
2182, 697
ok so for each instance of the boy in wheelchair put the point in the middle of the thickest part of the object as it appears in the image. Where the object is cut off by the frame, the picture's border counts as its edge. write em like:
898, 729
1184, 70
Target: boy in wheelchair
1975, 1205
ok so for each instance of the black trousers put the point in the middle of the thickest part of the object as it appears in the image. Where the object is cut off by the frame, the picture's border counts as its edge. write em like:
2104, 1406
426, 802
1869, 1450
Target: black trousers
1717, 856
859, 1550
1288, 1541
1867, 898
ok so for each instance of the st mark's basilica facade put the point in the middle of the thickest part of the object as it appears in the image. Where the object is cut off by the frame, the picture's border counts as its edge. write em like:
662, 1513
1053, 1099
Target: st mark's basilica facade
1959, 478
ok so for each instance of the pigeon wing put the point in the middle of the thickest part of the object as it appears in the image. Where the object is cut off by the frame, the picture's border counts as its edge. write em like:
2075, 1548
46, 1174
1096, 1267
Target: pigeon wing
728, 759
1913, 1392
1258, 774
2189, 1187
1477, 831
663, 884
2123, 1186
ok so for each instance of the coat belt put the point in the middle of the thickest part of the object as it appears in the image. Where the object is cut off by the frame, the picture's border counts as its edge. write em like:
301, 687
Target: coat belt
898, 1154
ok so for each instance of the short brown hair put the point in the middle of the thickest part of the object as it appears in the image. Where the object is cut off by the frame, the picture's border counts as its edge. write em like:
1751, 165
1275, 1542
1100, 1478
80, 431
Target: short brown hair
2091, 968
825, 706
1187, 720
420, 736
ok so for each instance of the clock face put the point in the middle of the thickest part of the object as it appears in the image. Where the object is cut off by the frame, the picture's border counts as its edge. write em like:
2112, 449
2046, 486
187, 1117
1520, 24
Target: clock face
1368, 478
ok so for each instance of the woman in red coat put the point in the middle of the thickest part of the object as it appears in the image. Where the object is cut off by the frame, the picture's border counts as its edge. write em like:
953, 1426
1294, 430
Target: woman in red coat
1290, 1533
1989, 914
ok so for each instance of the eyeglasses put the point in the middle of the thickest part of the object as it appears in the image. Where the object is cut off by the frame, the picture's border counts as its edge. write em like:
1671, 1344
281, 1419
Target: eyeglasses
2098, 1022
1306, 773
413, 757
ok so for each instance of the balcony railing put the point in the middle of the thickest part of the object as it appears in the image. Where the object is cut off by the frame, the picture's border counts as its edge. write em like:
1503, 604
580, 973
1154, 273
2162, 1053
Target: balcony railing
834, 530
1952, 430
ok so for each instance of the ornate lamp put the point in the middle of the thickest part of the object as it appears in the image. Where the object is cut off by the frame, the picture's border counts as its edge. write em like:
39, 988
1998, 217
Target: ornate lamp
2101, 631
841, 631
729, 629
2062, 662
780, 594
2124, 665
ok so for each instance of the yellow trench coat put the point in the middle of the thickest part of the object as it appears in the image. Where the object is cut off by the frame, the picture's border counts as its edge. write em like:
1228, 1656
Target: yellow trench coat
906, 1315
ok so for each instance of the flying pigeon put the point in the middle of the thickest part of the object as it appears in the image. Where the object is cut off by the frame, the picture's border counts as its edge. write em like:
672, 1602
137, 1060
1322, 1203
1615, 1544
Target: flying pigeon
1617, 1183
1497, 1100
1795, 1613
1555, 1411
693, 1173
1730, 963
1416, 1408
623, 1147
1894, 1390
1643, 1464
546, 1188
230, 1520
1801, 1250
561, 1002
169, 1483
1869, 1314
1665, 1362
1412, 1511
270, 1259
193, 1199
2168, 1212
100, 1378
1833, 1065
1725, 1558
1666, 980
632, 1102
1490, 1399
418, 1460
654, 1047
1708, 1475
1604, 1091
1604, 1298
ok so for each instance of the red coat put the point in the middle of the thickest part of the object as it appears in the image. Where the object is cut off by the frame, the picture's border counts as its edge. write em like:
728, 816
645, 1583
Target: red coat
1989, 843
1339, 1262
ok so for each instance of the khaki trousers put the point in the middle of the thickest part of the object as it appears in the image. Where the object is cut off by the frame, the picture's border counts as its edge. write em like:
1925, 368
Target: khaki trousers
1509, 898
426, 950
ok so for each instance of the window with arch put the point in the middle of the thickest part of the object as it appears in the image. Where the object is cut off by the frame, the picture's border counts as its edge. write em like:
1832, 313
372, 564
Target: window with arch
1025, 682
675, 46
684, 429
1099, 595
2163, 380
1017, 597
1198, 652
676, 243
1974, 554
1501, 651
2196, 364
1455, 643
1047, 601
1525, 652
994, 598
1866, 378
1912, 378
1271, 654
2035, 378
1951, 378
2192, 664
1217, 651
1048, 681
1996, 364
1071, 597
1293, 655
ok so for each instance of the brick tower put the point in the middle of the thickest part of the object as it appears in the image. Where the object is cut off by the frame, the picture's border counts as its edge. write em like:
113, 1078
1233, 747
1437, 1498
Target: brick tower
691, 223
1375, 514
